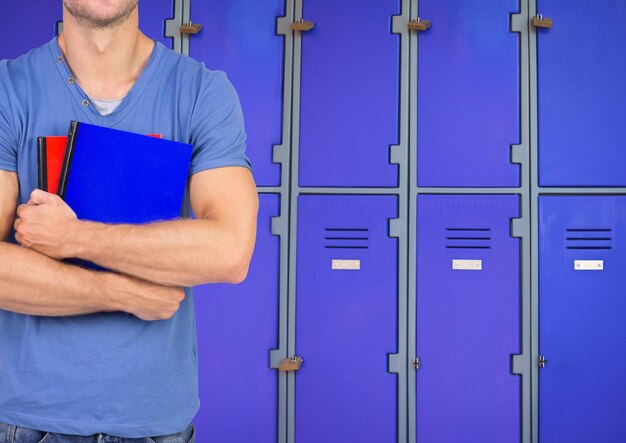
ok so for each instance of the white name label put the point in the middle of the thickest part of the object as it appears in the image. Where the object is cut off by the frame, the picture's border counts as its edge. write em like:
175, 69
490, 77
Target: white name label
588, 265
467, 265
346, 265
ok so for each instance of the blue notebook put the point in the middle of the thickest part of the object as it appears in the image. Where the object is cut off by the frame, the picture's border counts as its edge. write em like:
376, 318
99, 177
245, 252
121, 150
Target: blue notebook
113, 176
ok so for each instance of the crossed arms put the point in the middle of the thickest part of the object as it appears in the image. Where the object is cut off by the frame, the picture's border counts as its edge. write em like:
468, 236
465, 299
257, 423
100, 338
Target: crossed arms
152, 262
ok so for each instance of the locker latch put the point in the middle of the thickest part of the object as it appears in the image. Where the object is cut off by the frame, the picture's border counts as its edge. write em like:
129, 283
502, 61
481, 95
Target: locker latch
541, 361
540, 22
416, 363
290, 364
302, 25
419, 25
190, 28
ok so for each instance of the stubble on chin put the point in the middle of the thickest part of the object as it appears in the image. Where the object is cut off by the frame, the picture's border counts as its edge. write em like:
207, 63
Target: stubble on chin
86, 17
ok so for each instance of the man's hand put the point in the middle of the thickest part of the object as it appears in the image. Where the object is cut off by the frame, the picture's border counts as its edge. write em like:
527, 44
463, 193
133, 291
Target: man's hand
45, 225
147, 301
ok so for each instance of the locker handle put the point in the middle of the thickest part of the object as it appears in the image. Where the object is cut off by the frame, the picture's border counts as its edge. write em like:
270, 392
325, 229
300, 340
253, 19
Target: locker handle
190, 28
290, 364
419, 25
302, 25
540, 22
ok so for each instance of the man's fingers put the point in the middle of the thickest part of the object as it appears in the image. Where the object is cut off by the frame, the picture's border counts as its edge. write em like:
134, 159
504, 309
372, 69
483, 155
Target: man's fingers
21, 209
39, 197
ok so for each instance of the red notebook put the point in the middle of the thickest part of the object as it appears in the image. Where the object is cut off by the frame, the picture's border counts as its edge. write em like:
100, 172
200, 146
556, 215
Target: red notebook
51, 152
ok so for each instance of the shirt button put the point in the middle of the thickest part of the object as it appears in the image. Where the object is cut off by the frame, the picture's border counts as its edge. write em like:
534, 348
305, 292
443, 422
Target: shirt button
70, 80
85, 103
59, 59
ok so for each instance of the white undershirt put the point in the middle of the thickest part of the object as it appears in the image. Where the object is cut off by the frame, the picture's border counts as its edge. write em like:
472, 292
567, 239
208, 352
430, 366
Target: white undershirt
105, 107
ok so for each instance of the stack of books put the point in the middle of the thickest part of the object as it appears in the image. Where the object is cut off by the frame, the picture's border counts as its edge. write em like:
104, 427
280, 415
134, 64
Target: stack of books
112, 176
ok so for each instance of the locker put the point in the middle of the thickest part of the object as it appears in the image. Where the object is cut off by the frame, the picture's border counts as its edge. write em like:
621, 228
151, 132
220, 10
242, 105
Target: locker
152, 16
349, 94
582, 252
27, 24
240, 38
346, 319
468, 319
468, 94
237, 326
581, 93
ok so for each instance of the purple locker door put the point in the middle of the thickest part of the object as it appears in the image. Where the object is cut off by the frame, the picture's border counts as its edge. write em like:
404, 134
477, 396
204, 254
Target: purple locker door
468, 320
582, 388
346, 320
468, 94
350, 94
237, 327
581, 93
152, 16
239, 37
27, 24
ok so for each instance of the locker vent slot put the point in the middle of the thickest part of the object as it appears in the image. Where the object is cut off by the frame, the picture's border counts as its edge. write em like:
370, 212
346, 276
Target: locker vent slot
346, 238
588, 239
468, 238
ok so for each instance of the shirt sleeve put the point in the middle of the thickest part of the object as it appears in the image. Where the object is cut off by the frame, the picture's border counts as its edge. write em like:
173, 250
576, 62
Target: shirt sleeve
217, 126
8, 143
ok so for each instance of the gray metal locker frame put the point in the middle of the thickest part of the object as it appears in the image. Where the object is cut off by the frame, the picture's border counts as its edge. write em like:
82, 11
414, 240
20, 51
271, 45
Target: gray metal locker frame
520, 227
280, 155
404, 227
397, 227
536, 191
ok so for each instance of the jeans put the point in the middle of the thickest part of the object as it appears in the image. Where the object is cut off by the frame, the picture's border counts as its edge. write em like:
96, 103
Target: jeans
16, 434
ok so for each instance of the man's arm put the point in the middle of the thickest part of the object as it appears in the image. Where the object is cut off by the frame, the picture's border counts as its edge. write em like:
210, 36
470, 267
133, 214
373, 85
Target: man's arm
31, 283
216, 247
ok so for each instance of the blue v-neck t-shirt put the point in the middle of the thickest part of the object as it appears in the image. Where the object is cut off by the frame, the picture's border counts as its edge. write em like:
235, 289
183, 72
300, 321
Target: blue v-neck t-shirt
108, 372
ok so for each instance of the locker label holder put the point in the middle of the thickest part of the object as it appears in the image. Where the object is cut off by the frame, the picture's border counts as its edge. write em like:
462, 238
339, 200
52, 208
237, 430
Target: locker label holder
467, 265
589, 265
346, 265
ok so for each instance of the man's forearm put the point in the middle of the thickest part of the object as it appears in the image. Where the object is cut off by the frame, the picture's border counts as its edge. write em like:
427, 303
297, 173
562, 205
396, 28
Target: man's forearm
31, 283
176, 253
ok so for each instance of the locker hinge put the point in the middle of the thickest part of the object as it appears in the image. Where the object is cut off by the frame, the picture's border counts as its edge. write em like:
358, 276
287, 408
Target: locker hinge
394, 363
518, 227
520, 364
290, 364
280, 154
416, 363
518, 154
279, 226
541, 361
396, 154
518, 22
276, 357
283, 26
396, 228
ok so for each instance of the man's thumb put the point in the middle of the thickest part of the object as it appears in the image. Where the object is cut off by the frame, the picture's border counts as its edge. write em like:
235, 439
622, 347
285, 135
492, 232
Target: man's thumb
39, 197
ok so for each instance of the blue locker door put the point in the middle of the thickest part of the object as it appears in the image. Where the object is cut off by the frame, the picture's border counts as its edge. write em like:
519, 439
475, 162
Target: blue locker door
152, 16
237, 326
582, 388
468, 319
468, 94
346, 320
350, 94
581, 93
240, 38
27, 24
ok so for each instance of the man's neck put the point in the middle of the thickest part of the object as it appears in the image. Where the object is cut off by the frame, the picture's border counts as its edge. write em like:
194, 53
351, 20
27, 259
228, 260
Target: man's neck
105, 62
